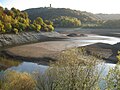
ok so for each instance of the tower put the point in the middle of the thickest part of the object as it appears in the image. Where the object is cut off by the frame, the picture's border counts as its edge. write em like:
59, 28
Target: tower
50, 5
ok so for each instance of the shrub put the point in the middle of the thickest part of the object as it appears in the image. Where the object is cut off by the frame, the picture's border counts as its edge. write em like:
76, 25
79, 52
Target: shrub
48, 22
46, 29
1, 26
15, 30
32, 27
73, 70
118, 56
39, 21
50, 27
38, 27
70, 72
3, 30
8, 27
18, 81
113, 77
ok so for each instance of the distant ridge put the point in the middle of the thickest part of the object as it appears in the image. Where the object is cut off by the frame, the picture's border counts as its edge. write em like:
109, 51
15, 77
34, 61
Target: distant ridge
108, 16
51, 13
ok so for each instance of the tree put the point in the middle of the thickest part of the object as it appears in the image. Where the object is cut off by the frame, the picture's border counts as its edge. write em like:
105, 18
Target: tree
50, 27
16, 21
32, 27
1, 26
48, 22
15, 30
8, 27
7, 19
38, 27
65, 21
22, 26
39, 21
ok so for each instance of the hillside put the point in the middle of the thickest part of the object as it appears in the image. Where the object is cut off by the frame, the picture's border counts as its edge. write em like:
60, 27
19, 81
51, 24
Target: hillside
52, 13
15, 21
108, 16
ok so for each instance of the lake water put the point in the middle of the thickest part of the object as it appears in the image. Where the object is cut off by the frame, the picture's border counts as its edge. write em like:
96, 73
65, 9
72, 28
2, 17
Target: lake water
29, 67
109, 40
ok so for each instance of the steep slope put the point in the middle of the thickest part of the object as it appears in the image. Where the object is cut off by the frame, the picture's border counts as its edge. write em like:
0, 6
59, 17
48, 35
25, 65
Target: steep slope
52, 13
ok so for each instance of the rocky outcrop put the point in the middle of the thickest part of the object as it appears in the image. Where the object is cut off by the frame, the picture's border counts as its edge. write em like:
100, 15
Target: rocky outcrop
27, 37
105, 51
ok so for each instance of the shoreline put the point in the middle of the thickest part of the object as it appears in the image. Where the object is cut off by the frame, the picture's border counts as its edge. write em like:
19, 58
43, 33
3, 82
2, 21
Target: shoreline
42, 52
41, 47
10, 40
97, 31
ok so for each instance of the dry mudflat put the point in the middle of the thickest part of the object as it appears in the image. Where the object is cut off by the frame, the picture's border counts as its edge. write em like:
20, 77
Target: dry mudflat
51, 48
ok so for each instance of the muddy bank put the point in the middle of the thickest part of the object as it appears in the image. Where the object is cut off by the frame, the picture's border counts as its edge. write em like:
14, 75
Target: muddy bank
105, 51
45, 51
7, 40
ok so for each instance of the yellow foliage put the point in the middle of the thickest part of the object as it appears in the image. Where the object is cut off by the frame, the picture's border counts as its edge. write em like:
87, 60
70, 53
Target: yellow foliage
18, 81
73, 71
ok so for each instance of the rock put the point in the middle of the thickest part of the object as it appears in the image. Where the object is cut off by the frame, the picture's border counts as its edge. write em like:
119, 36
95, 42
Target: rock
117, 46
72, 35
82, 35
106, 51
76, 35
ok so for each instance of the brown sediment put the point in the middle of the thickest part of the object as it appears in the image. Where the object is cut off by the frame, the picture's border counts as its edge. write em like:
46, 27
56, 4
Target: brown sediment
44, 52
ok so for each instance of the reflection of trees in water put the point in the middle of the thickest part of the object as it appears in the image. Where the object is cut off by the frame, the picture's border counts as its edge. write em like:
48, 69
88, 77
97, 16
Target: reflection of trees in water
6, 63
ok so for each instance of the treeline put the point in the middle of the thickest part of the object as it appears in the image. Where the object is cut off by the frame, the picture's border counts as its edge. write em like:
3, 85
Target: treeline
65, 21
15, 21
58, 14
111, 24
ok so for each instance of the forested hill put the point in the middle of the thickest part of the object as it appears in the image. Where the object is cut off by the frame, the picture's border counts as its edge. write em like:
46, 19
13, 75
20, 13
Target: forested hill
53, 13
15, 21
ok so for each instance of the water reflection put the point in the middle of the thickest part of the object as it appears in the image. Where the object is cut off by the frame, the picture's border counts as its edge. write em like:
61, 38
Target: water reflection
105, 67
9, 64
29, 67
5, 63
104, 39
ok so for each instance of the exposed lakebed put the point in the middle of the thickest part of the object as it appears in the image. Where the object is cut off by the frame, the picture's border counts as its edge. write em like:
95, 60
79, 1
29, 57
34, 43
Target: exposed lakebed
68, 43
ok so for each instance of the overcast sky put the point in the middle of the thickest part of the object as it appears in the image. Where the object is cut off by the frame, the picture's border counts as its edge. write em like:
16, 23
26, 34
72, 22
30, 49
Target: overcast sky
94, 6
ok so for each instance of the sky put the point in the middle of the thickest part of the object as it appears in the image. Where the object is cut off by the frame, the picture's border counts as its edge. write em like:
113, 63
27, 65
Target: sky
93, 6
